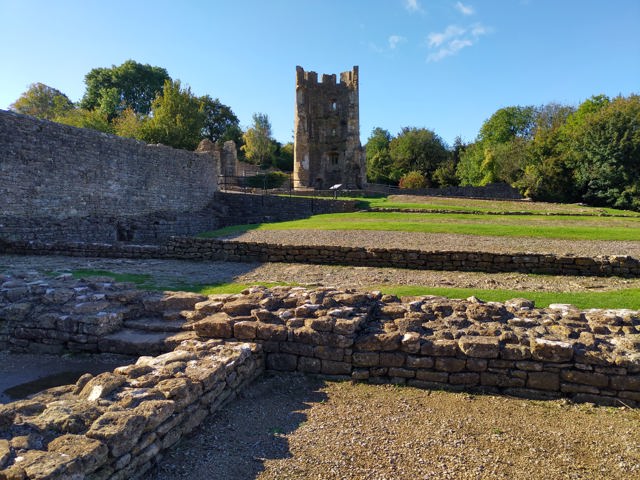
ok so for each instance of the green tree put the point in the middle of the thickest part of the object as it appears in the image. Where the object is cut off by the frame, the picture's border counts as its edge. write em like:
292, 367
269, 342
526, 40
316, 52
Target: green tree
42, 101
379, 163
509, 123
283, 156
418, 149
178, 118
81, 118
220, 123
605, 153
547, 175
258, 144
130, 85
413, 180
129, 124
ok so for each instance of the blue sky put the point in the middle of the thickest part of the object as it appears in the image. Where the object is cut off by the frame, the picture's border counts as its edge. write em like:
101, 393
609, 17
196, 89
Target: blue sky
446, 65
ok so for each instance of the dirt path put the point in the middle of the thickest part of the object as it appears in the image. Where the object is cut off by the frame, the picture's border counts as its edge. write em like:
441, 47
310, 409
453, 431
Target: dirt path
288, 426
172, 273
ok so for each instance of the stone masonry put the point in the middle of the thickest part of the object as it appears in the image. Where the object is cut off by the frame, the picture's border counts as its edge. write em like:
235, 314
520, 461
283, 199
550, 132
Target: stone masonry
327, 148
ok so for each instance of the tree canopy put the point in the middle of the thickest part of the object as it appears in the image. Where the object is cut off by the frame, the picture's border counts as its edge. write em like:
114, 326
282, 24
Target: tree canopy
42, 101
130, 85
258, 144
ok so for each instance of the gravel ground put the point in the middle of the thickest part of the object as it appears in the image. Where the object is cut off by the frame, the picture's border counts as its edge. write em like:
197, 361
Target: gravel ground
168, 273
438, 241
288, 426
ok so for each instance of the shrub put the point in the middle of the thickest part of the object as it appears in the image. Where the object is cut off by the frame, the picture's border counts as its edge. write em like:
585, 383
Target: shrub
268, 180
413, 180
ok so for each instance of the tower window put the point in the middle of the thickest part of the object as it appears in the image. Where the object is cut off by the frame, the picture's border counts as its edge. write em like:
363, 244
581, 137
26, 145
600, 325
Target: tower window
334, 105
333, 157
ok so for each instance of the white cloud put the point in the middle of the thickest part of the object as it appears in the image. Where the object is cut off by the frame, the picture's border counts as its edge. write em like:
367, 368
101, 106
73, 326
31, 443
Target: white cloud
413, 5
453, 39
465, 9
436, 39
395, 40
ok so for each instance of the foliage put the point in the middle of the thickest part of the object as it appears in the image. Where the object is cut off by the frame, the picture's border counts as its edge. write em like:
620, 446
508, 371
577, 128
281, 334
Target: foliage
42, 101
509, 123
81, 118
268, 180
606, 153
283, 156
130, 85
418, 149
220, 123
258, 144
129, 124
445, 174
413, 180
177, 120
379, 164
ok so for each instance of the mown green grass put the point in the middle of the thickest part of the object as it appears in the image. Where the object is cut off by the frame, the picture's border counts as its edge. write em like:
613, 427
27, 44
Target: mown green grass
497, 206
556, 227
622, 298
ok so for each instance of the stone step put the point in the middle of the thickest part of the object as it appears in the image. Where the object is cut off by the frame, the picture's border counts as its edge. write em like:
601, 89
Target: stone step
138, 342
155, 325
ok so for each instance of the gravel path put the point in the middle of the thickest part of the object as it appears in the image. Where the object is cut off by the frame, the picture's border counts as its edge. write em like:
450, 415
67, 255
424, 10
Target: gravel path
288, 426
437, 241
171, 273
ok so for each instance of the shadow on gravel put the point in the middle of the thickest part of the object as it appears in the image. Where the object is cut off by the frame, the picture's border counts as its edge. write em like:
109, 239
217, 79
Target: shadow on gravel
234, 443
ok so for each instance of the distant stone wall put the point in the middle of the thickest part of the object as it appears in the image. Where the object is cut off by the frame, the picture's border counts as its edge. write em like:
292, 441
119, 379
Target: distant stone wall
190, 248
245, 209
59, 182
500, 191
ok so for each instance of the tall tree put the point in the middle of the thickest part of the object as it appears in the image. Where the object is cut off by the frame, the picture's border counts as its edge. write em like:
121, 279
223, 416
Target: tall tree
606, 153
178, 118
130, 85
42, 101
418, 149
379, 164
258, 144
220, 122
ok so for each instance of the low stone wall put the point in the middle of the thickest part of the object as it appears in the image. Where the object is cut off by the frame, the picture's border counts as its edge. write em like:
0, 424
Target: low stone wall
54, 315
605, 265
247, 208
116, 425
193, 248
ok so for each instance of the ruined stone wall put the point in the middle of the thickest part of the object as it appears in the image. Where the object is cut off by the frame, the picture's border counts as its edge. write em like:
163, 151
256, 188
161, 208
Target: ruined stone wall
327, 148
116, 425
62, 182
189, 248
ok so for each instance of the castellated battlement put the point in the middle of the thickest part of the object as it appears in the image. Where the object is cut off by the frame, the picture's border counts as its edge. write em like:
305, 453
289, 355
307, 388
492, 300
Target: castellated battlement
327, 147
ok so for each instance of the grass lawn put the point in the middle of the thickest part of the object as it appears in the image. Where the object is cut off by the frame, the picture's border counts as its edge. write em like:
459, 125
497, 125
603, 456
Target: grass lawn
538, 226
621, 298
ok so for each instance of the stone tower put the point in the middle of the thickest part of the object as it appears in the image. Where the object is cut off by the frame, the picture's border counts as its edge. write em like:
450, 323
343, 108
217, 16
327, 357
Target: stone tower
327, 148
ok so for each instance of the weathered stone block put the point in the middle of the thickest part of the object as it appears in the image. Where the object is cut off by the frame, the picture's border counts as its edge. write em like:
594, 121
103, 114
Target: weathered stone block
120, 431
466, 378
401, 372
329, 367
309, 365
271, 332
218, 325
439, 348
428, 376
449, 364
551, 350
628, 382
585, 378
282, 361
419, 362
479, 347
245, 330
543, 381
366, 359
